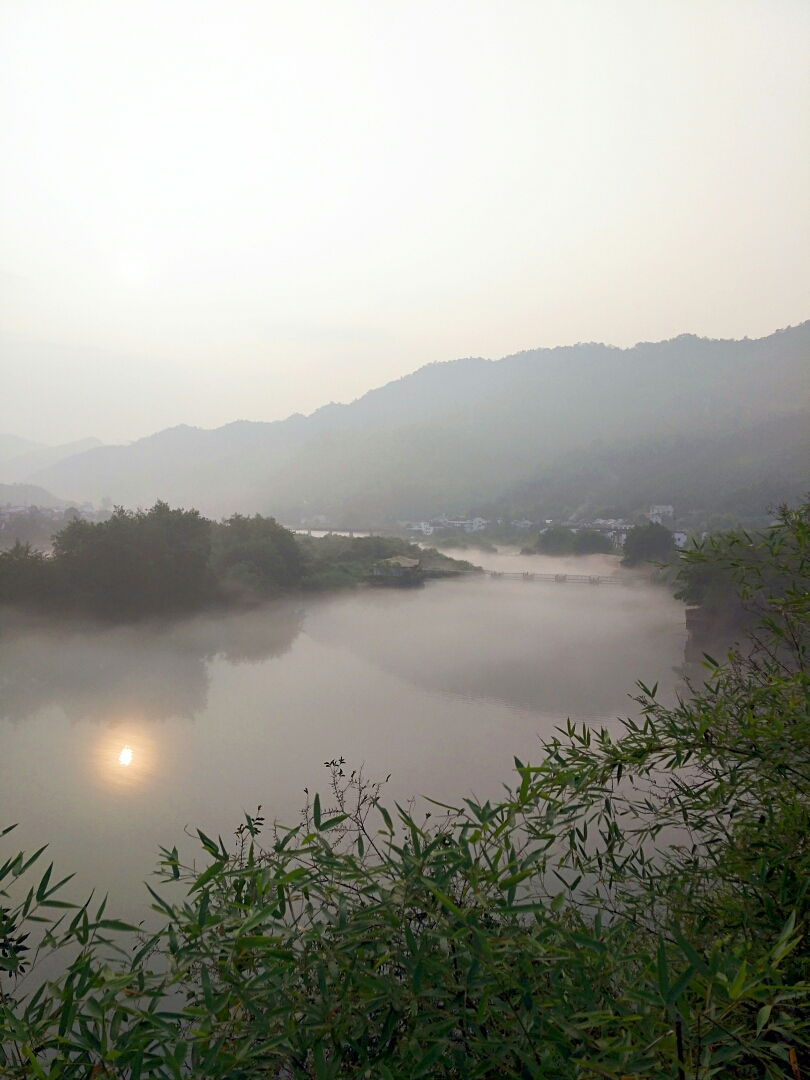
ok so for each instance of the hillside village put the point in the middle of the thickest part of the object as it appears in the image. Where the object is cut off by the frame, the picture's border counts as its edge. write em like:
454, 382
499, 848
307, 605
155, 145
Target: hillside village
36, 525
615, 529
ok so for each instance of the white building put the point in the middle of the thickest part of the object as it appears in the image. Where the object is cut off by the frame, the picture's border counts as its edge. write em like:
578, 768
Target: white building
680, 538
657, 513
476, 525
618, 536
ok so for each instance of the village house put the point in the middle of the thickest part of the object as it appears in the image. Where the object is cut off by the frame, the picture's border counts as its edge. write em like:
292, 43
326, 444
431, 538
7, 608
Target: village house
398, 570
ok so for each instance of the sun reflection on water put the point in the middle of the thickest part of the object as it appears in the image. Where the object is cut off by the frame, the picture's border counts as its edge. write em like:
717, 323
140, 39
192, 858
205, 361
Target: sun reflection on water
124, 755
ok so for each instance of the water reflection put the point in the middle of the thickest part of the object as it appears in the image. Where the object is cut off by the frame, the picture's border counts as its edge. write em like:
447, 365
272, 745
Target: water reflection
144, 673
556, 649
125, 756
439, 687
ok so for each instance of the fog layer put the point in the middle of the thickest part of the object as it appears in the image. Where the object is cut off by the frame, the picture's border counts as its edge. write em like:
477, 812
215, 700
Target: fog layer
439, 687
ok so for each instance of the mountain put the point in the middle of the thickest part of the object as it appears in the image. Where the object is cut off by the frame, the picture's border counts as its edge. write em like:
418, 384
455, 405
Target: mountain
12, 446
25, 464
29, 495
455, 434
709, 479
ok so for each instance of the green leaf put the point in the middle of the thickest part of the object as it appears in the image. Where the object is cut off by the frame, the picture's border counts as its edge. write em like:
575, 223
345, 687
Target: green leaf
697, 962
164, 907
118, 925
663, 969
212, 871
259, 917
737, 985
19, 870
29, 1053
202, 911
331, 822
43, 885
429, 1058
681, 984
209, 845
386, 818
321, 1071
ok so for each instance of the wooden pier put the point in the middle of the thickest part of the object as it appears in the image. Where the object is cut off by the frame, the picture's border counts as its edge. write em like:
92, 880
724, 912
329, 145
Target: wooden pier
562, 579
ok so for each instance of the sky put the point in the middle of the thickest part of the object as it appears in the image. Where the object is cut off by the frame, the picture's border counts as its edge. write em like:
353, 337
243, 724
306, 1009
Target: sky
212, 212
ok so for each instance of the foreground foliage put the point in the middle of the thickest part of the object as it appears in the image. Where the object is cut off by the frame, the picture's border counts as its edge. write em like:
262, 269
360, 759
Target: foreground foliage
632, 907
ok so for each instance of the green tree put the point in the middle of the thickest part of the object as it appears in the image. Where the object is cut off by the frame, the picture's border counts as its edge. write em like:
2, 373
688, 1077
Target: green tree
555, 540
647, 543
255, 556
135, 563
591, 542
23, 575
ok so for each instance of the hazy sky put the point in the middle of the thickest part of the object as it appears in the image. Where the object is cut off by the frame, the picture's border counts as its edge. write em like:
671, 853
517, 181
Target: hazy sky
213, 211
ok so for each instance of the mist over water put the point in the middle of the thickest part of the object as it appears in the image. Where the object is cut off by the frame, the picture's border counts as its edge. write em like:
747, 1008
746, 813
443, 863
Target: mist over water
112, 741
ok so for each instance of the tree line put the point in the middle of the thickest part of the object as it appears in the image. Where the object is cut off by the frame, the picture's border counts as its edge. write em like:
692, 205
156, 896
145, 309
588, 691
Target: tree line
171, 561
650, 542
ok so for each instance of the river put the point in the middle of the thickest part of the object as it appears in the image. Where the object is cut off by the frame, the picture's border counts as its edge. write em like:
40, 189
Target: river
113, 741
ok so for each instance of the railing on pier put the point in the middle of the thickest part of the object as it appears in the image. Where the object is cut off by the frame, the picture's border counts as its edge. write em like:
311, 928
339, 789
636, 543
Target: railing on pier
582, 579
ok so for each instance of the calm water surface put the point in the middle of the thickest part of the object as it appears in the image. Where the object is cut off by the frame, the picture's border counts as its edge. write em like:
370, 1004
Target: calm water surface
114, 741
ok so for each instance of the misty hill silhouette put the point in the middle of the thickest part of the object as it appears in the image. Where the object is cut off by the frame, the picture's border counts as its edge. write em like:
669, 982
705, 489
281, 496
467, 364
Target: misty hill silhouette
29, 495
467, 432
17, 466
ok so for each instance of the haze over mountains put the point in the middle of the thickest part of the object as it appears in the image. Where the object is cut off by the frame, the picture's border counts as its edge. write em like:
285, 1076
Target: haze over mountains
20, 458
708, 424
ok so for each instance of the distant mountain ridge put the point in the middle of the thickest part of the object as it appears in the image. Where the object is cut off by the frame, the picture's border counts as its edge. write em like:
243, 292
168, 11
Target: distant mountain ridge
19, 466
452, 434
12, 446
29, 495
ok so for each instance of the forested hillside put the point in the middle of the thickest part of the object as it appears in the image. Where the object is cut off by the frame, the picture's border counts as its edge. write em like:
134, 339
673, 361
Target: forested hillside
710, 479
465, 433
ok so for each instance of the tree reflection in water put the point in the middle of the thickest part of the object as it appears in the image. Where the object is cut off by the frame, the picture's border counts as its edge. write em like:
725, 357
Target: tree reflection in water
151, 671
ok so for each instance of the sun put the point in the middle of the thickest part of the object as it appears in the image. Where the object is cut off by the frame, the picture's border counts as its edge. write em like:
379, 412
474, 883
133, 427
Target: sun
133, 267
125, 757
